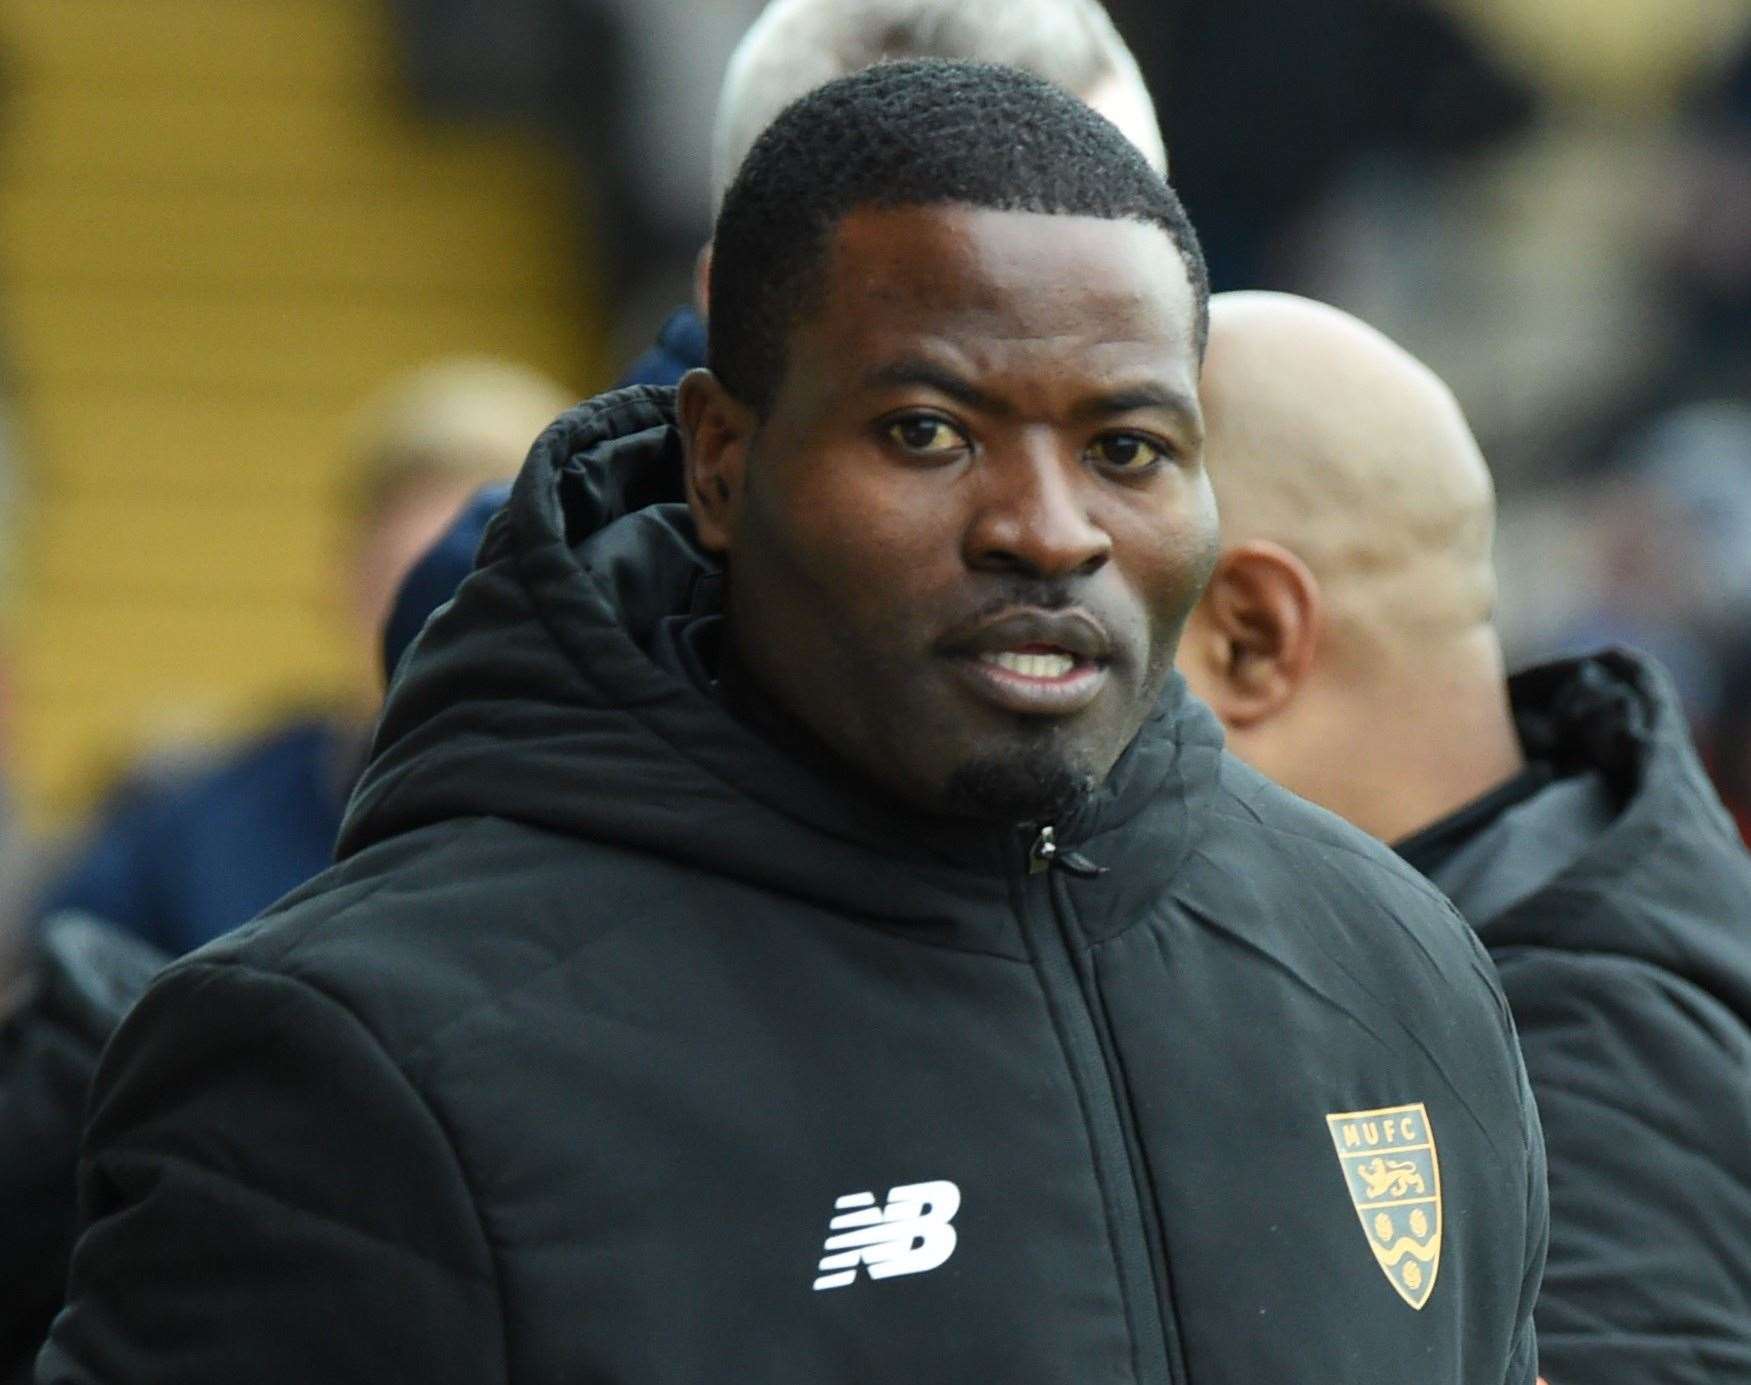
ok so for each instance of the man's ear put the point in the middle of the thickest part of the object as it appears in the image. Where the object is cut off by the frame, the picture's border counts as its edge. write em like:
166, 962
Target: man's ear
1251, 641
716, 432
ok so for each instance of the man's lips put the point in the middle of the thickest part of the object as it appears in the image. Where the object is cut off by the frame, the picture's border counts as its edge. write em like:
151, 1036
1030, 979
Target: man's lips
1035, 663
1074, 631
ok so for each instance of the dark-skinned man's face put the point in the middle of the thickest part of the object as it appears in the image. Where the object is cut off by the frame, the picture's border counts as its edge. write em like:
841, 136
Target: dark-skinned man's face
964, 540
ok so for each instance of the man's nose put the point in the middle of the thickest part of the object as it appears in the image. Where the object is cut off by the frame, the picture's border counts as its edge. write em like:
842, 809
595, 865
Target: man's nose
1031, 516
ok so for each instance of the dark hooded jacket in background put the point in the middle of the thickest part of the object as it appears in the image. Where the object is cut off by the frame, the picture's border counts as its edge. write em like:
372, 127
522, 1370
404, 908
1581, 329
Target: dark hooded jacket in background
1612, 890
612, 1014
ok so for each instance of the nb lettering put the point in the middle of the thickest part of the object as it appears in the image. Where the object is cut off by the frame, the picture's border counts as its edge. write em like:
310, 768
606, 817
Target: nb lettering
912, 1233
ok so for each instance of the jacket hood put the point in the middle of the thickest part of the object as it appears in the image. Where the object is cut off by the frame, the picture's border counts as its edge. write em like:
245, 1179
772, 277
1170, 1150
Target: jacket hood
1667, 881
680, 346
533, 696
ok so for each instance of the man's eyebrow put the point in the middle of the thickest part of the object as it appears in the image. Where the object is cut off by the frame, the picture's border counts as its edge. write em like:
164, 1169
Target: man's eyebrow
911, 370
1134, 398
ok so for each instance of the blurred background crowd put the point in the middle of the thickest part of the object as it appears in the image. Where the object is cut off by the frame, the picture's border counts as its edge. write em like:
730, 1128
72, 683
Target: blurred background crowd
281, 281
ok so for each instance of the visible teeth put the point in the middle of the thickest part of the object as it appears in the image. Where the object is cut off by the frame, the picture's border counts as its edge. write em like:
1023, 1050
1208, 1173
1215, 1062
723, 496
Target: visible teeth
1031, 665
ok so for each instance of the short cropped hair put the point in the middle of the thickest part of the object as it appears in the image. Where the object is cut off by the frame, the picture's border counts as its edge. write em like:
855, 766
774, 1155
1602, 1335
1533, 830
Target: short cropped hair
909, 134
797, 45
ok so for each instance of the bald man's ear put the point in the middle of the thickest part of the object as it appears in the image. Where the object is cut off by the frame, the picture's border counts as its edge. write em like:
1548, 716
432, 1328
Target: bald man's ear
1249, 644
717, 430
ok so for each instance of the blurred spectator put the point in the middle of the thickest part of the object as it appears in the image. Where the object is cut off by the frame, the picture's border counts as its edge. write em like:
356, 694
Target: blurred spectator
187, 849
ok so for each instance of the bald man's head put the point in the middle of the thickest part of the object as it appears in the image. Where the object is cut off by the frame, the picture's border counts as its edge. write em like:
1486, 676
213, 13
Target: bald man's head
1346, 638
1329, 439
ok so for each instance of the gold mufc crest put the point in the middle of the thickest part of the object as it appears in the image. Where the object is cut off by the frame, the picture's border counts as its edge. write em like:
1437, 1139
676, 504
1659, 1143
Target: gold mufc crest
1389, 1163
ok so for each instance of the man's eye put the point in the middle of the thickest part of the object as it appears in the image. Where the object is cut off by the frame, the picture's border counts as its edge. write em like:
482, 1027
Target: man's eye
925, 435
1127, 452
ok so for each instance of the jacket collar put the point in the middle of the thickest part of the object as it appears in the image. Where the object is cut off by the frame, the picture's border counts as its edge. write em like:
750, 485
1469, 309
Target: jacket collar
1665, 880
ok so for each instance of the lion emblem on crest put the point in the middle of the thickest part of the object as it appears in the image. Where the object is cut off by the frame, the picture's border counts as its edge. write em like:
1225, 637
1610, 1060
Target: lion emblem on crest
1390, 1178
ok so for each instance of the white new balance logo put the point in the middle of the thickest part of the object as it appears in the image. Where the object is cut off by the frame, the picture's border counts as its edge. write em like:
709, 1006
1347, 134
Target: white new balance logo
908, 1236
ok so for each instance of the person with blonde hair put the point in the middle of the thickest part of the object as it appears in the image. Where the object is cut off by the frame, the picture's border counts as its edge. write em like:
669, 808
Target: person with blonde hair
195, 842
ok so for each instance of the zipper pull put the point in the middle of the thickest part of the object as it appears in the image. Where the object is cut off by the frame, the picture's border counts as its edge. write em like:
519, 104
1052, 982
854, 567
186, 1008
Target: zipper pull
1044, 850
1044, 854
1078, 864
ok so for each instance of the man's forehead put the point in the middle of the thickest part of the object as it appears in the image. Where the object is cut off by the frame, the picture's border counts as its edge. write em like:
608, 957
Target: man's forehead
1015, 274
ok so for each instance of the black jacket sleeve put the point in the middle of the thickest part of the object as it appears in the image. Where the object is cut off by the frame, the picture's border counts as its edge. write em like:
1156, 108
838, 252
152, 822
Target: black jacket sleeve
265, 1196
1643, 1087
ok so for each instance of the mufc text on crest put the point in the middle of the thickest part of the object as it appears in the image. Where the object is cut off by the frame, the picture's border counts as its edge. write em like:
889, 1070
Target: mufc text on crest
912, 1232
1394, 1178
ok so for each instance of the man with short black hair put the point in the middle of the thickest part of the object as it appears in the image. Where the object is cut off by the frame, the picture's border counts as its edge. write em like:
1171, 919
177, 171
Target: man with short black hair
796, 927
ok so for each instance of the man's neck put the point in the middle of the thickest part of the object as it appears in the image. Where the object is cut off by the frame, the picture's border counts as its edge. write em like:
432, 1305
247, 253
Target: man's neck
1440, 741
1394, 747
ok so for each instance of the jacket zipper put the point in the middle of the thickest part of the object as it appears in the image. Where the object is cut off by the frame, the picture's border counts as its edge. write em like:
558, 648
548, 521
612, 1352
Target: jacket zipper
1067, 986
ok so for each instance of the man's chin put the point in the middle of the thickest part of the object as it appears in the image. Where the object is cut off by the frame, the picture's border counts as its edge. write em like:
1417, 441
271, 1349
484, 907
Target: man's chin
1014, 788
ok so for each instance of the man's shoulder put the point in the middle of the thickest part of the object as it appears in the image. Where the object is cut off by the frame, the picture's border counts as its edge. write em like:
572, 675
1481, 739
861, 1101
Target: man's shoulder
427, 927
1308, 848
1335, 906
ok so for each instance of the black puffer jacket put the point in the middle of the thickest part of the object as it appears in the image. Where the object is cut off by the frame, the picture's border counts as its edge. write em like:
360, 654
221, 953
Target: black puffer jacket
1617, 903
622, 1046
